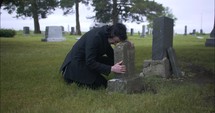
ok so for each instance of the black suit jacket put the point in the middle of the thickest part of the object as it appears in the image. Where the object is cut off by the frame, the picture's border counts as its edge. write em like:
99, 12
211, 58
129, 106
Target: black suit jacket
90, 56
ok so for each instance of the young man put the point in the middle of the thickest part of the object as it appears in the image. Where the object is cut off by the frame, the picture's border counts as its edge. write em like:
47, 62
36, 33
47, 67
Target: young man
92, 55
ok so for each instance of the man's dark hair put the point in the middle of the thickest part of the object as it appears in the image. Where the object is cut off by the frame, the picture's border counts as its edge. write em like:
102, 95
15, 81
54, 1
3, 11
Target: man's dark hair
119, 30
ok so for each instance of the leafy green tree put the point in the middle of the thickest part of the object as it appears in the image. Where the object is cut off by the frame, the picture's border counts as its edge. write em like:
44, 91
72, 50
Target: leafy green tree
126, 10
35, 9
102, 10
67, 6
167, 12
111, 10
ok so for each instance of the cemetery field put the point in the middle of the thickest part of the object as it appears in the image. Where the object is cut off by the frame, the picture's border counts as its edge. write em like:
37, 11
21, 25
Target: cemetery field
31, 82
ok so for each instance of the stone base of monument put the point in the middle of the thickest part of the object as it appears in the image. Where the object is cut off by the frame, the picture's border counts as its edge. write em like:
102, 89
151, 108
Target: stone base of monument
156, 67
210, 42
53, 39
126, 85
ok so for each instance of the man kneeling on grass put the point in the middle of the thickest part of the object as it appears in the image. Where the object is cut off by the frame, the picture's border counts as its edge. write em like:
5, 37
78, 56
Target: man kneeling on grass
92, 55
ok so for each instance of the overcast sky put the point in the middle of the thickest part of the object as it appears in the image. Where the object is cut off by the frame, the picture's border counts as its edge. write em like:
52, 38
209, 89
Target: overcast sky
196, 14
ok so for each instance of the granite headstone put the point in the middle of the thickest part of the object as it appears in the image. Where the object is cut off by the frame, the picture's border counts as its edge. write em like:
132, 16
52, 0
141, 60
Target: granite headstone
185, 30
53, 34
201, 32
163, 55
194, 32
26, 30
143, 31
72, 31
132, 32
162, 37
210, 42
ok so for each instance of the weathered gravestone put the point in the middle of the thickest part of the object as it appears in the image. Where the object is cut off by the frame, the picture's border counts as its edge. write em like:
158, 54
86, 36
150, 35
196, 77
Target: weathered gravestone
173, 61
127, 82
201, 31
26, 30
185, 30
126, 53
53, 34
72, 31
194, 32
210, 42
132, 32
143, 31
162, 41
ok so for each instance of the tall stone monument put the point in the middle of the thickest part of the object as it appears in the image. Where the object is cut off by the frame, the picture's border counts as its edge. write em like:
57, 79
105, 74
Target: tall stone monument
185, 30
210, 42
163, 55
143, 31
201, 32
53, 34
162, 37
132, 32
127, 82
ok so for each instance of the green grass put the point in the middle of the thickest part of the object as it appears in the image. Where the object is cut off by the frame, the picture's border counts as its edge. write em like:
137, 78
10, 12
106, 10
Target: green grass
31, 83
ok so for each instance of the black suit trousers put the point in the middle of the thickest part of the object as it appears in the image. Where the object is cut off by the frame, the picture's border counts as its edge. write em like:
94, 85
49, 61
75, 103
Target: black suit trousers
100, 80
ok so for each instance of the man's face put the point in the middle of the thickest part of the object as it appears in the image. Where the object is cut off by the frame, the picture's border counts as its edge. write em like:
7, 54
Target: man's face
114, 40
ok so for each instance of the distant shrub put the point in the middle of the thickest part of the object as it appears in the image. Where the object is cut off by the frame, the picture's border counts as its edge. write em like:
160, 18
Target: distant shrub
7, 33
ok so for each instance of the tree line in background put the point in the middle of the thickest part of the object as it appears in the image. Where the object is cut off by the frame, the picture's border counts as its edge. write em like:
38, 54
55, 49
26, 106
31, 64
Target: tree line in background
106, 11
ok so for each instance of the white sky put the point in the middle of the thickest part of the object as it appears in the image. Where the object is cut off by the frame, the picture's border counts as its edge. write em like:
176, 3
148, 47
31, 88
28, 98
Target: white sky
196, 14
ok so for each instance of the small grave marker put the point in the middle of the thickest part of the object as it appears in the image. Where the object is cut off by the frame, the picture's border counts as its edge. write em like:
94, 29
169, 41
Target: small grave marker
26, 30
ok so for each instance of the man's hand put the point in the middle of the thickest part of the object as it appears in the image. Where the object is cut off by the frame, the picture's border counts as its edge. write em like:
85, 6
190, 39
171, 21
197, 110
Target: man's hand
118, 68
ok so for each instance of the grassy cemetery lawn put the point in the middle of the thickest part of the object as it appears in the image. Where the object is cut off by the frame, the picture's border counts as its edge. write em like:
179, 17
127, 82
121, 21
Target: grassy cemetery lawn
31, 82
